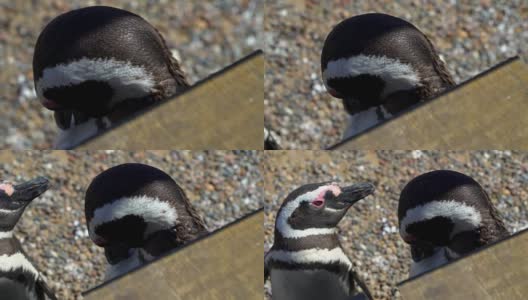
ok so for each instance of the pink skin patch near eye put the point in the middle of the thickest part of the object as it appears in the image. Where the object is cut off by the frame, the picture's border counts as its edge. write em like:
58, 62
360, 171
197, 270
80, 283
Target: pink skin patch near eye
50, 104
408, 238
332, 91
100, 241
7, 188
319, 200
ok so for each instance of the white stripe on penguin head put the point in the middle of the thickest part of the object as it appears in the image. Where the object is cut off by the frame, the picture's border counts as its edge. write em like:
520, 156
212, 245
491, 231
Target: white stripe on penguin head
157, 214
465, 217
396, 75
127, 81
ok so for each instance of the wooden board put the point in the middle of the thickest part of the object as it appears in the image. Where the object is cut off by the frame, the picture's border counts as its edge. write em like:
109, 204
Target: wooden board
227, 264
224, 111
487, 112
499, 271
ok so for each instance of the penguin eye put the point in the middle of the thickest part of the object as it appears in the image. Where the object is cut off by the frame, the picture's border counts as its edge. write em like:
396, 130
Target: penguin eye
318, 203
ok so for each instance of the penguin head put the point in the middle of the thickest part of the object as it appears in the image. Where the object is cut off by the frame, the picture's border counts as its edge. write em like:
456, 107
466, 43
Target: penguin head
92, 61
375, 59
138, 210
317, 208
15, 198
445, 214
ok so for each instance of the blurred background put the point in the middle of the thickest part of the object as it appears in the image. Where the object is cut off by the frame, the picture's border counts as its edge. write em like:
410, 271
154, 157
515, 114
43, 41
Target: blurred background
222, 185
205, 36
470, 35
369, 231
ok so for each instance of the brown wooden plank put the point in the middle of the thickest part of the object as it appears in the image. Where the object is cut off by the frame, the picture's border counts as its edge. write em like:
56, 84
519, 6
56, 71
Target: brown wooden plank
496, 272
224, 111
228, 264
487, 112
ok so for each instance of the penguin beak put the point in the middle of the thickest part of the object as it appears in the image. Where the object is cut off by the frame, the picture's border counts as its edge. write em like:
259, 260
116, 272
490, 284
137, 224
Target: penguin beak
353, 193
29, 190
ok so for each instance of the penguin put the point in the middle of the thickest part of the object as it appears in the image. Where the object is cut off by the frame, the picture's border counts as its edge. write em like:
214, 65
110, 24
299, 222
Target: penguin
306, 260
444, 215
19, 278
380, 65
96, 66
270, 143
138, 213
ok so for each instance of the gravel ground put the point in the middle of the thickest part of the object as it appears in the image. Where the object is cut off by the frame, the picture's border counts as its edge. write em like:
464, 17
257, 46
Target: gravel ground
207, 36
470, 35
369, 231
222, 185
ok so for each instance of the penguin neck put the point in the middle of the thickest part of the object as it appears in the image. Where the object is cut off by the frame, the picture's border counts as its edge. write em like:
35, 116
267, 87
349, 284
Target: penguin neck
10, 245
9, 219
365, 119
6, 234
321, 241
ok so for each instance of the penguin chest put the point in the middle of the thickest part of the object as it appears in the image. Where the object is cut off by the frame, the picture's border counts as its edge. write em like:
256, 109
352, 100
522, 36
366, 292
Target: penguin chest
20, 277
124, 266
434, 261
308, 284
69, 138
363, 120
14, 290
